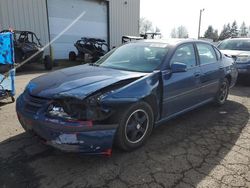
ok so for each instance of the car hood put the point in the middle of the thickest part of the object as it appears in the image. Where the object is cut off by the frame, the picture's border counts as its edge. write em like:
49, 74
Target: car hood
79, 81
235, 52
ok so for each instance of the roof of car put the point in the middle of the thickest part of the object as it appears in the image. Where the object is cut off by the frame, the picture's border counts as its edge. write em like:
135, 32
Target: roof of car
238, 39
172, 41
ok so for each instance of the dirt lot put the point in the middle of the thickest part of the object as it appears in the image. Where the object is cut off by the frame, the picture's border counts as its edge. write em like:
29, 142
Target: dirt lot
208, 147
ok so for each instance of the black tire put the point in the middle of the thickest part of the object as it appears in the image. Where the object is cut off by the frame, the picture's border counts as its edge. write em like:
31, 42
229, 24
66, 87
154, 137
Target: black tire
222, 94
13, 99
72, 56
139, 119
48, 64
18, 56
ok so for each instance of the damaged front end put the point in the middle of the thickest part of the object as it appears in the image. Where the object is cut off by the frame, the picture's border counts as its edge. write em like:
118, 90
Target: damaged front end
70, 122
70, 106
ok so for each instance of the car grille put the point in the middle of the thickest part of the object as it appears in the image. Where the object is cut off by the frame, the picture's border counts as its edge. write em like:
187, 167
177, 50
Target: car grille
33, 104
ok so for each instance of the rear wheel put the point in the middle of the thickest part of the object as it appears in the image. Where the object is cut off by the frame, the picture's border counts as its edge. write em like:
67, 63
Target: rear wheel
18, 56
13, 99
222, 94
48, 63
135, 126
72, 56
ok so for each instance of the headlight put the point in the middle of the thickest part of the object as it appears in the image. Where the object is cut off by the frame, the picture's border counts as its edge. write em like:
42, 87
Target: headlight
56, 110
243, 59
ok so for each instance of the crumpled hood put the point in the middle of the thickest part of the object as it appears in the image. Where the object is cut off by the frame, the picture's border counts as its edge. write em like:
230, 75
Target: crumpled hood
79, 81
235, 52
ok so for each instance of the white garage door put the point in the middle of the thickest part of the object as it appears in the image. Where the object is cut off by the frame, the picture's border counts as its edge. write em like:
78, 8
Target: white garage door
63, 12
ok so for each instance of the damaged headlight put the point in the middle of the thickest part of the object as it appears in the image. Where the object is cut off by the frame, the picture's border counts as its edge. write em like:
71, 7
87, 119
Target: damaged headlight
56, 110
74, 109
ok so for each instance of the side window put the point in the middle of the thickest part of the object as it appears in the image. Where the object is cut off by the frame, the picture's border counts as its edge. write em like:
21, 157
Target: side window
206, 53
185, 54
218, 53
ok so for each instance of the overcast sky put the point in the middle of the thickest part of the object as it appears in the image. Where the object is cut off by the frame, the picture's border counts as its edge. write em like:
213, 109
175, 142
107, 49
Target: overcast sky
167, 14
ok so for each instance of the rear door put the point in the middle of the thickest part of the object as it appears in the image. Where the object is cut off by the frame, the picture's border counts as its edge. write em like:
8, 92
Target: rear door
181, 89
210, 69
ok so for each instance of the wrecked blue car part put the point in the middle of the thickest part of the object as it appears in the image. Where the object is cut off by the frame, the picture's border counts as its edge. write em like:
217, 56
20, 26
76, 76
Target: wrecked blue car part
120, 98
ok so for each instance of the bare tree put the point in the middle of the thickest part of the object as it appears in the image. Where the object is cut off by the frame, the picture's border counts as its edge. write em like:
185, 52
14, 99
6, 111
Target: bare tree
157, 30
173, 33
145, 26
180, 32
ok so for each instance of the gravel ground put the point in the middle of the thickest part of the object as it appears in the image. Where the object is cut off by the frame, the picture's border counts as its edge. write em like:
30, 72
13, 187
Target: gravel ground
208, 147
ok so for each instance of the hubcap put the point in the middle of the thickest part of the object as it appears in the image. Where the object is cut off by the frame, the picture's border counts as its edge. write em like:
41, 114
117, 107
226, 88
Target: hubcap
223, 92
136, 126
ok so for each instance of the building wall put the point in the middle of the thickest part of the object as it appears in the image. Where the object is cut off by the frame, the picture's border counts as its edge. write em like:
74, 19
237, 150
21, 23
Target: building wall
124, 19
92, 24
31, 15
25, 15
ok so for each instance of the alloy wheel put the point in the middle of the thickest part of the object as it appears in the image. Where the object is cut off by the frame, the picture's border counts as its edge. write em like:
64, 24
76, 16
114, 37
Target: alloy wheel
223, 92
136, 126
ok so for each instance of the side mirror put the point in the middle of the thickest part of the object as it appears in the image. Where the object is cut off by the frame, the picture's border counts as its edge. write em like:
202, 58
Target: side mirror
178, 67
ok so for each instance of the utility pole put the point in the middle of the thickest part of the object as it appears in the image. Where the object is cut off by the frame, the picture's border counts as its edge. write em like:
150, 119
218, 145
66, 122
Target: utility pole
199, 29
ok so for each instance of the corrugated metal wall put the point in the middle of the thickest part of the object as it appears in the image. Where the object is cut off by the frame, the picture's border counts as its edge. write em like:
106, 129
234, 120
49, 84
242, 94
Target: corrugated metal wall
31, 15
124, 19
25, 15
94, 23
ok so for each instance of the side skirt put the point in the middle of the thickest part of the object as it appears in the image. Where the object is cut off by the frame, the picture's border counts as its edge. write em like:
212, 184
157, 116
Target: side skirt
183, 111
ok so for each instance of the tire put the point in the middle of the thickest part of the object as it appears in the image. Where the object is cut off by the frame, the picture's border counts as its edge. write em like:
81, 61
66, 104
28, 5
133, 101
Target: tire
18, 56
48, 63
13, 99
222, 94
72, 56
135, 127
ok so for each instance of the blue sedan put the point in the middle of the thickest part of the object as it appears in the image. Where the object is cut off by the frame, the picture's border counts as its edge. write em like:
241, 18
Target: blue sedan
123, 96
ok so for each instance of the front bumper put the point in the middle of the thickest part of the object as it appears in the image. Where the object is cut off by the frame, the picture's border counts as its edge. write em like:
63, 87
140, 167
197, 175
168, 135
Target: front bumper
243, 68
67, 136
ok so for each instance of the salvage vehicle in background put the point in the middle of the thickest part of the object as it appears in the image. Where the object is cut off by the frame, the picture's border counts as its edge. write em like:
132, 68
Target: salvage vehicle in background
26, 44
239, 50
152, 35
126, 39
94, 47
123, 96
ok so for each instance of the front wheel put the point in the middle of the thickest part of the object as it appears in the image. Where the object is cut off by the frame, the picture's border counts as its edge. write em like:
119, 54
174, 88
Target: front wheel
223, 92
135, 126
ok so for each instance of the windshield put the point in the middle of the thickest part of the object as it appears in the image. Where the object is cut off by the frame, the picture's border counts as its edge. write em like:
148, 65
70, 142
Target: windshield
243, 45
138, 57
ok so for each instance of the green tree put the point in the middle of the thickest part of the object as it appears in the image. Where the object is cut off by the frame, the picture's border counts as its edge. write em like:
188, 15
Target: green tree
243, 30
210, 33
226, 32
234, 30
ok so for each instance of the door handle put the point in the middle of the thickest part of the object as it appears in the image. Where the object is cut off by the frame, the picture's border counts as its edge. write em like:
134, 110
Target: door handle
197, 74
